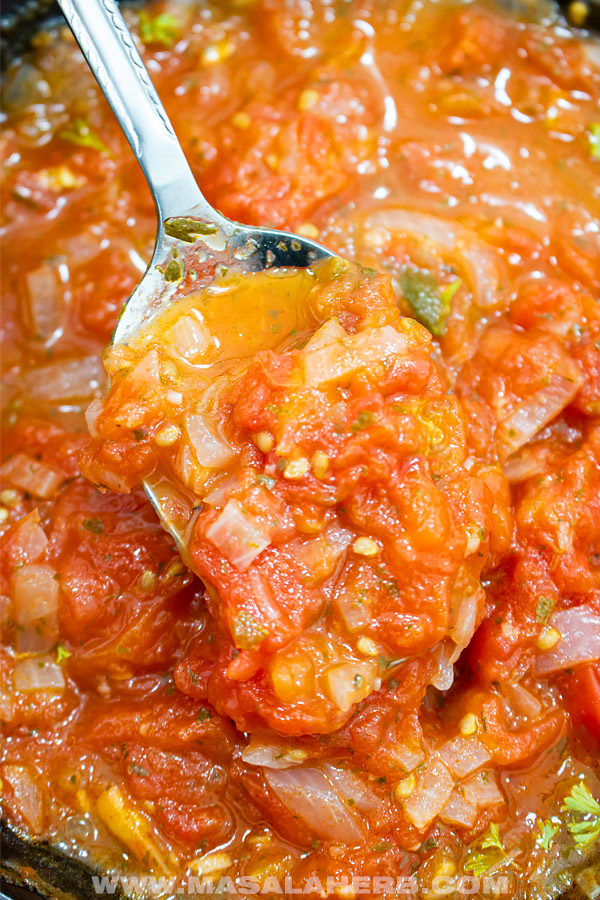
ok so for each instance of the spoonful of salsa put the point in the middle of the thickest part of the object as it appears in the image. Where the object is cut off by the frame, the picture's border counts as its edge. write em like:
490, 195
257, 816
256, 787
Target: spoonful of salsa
295, 433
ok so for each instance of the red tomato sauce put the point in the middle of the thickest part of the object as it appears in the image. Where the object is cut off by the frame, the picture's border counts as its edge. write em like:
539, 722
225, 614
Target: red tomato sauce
386, 472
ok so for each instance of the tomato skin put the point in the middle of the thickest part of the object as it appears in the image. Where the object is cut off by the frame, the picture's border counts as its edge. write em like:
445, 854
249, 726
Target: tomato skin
581, 690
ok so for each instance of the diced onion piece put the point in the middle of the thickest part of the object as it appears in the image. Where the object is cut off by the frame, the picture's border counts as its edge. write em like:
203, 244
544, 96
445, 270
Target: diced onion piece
45, 301
30, 539
354, 613
526, 463
341, 357
458, 811
218, 494
537, 411
523, 702
406, 756
26, 473
352, 788
434, 788
67, 379
129, 826
40, 673
443, 676
310, 797
190, 338
92, 414
349, 683
466, 618
36, 592
580, 641
237, 535
327, 334
440, 231
27, 795
481, 790
211, 451
464, 755
270, 752
481, 265
38, 635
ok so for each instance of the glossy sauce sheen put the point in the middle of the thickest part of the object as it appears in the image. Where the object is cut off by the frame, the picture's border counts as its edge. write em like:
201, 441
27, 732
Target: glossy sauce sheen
276, 726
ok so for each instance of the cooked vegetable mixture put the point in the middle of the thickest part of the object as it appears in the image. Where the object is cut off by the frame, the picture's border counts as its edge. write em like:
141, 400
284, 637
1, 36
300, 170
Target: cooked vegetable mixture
383, 678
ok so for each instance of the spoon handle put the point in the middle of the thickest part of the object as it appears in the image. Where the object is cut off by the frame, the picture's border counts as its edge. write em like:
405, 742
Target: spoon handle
110, 51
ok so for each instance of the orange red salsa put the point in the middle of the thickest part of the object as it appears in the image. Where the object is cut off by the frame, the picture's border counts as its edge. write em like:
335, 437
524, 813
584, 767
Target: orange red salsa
386, 473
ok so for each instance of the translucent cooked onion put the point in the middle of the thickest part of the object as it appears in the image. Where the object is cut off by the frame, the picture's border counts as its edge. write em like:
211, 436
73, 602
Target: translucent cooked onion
529, 461
464, 755
313, 799
237, 535
522, 701
38, 635
35, 591
533, 414
443, 677
434, 788
45, 301
466, 618
190, 338
354, 613
330, 332
39, 673
479, 261
338, 358
580, 641
481, 790
270, 752
458, 811
26, 793
30, 539
92, 415
352, 788
349, 683
440, 231
68, 379
24, 472
211, 451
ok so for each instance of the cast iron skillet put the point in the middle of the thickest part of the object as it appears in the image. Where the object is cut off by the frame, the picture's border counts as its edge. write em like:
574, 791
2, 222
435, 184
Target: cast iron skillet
62, 876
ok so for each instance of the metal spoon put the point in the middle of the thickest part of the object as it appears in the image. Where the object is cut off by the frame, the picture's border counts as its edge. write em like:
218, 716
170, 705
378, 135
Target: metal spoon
189, 228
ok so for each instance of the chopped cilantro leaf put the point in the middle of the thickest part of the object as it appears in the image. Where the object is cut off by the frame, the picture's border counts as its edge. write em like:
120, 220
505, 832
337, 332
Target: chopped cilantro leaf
93, 525
81, 134
594, 139
162, 29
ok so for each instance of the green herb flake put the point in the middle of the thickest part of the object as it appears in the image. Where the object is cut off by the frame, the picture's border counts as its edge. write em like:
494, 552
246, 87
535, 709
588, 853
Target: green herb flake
579, 801
594, 139
62, 653
545, 608
93, 525
364, 420
547, 832
381, 847
490, 853
162, 29
188, 230
81, 134
173, 271
267, 481
204, 714
138, 770
422, 292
